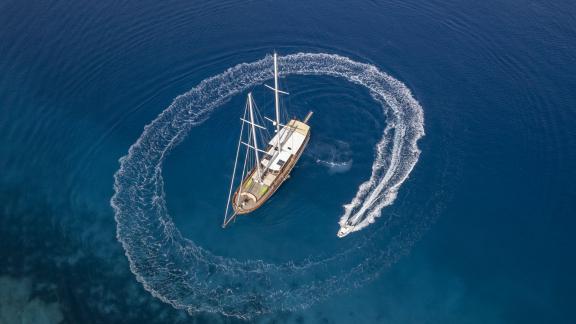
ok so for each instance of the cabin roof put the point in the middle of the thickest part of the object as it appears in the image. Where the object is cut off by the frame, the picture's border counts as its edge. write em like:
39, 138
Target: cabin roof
292, 137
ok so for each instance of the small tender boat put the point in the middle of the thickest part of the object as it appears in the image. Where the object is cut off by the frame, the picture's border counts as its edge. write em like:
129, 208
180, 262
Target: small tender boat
264, 170
345, 230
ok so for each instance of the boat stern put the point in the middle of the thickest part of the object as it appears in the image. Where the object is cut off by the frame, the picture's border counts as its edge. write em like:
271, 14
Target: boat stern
245, 203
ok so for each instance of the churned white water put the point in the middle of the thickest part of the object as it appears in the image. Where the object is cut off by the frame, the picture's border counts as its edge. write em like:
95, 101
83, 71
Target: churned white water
179, 272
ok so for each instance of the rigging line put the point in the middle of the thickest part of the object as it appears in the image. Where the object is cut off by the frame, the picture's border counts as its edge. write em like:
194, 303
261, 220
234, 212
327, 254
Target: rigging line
234, 170
262, 134
233, 217
246, 160
257, 114
261, 119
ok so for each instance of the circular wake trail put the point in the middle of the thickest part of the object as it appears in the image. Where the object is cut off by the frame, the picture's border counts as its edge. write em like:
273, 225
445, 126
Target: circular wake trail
177, 271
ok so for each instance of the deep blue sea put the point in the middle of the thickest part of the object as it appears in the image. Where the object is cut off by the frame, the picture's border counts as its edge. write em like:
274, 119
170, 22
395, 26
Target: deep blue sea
452, 122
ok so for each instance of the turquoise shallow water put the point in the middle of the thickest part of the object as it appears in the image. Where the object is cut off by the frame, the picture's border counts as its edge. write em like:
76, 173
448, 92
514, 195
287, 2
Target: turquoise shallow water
481, 230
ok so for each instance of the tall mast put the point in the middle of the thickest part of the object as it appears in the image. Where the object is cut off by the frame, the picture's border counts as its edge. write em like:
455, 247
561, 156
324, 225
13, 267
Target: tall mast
276, 102
254, 136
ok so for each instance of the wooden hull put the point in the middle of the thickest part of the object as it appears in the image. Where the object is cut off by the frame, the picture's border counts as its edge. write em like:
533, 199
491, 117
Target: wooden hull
280, 178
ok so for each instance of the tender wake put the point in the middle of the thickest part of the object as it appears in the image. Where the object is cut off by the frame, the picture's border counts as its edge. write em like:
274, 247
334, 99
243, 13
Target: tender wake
396, 153
177, 271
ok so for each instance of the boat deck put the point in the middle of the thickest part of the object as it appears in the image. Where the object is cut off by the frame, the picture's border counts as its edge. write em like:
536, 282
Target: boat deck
252, 192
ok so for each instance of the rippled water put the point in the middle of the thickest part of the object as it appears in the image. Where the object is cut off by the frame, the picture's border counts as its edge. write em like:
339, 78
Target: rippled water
479, 230
176, 269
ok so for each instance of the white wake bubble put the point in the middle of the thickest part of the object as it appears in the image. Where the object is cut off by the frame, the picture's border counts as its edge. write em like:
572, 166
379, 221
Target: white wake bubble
177, 271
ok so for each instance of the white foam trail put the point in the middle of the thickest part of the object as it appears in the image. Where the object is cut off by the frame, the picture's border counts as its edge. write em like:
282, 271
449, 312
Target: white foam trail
391, 166
177, 271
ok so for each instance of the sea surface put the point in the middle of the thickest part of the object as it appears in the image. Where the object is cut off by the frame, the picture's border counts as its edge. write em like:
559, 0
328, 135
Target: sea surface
446, 130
